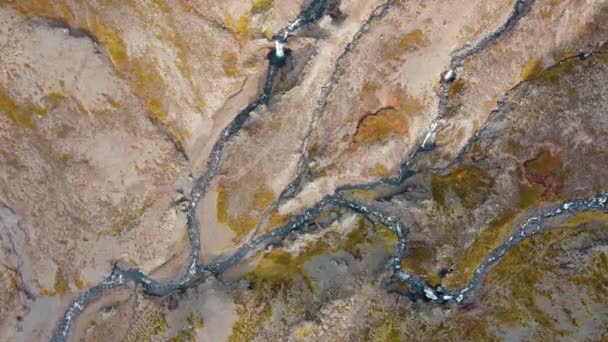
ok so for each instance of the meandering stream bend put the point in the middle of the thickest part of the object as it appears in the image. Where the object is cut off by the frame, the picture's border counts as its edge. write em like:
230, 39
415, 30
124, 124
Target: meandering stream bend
417, 286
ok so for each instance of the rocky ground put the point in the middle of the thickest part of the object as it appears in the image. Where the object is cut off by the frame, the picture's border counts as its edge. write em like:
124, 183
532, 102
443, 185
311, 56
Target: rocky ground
491, 112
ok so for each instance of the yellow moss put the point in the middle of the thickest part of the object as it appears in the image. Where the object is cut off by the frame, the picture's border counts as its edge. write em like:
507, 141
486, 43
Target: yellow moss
260, 5
491, 237
387, 236
377, 128
532, 69
229, 63
530, 195
379, 170
128, 213
545, 14
595, 277
155, 107
520, 271
242, 25
585, 218
278, 268
470, 184
189, 330
250, 320
80, 283
249, 210
420, 259
113, 44
8, 286
412, 41
15, 113
61, 284
363, 195
268, 33
150, 322
303, 332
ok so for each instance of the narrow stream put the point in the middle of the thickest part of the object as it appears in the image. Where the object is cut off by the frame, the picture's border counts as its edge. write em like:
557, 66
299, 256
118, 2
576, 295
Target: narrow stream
417, 286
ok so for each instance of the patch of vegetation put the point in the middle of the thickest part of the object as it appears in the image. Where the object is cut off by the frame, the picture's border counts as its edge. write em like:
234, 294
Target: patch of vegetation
470, 184
61, 282
151, 322
127, 214
387, 236
412, 41
229, 63
260, 5
362, 195
419, 259
188, 332
546, 169
519, 271
278, 268
490, 238
249, 208
379, 170
250, 319
585, 218
80, 283
595, 277
455, 89
20, 114
113, 44
378, 128
530, 194
532, 69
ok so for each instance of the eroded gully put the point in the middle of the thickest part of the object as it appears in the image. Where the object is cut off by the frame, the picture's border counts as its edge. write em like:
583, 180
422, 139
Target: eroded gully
418, 287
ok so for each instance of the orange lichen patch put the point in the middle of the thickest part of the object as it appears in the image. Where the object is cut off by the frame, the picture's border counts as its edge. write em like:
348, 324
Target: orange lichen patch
113, 44
532, 69
546, 169
241, 209
491, 237
377, 128
419, 260
469, 183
